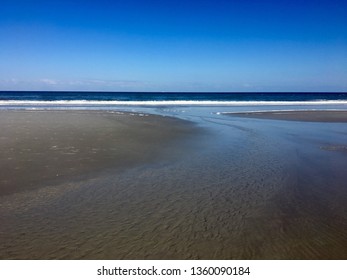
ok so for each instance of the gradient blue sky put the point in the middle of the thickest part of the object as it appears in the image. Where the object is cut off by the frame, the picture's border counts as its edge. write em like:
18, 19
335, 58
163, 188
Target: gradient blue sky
153, 45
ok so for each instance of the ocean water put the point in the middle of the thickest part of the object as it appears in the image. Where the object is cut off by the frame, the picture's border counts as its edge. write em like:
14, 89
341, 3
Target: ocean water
20, 97
177, 104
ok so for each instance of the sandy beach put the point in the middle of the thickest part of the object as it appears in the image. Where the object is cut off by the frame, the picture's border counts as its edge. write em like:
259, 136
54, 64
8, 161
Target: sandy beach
42, 148
137, 186
302, 115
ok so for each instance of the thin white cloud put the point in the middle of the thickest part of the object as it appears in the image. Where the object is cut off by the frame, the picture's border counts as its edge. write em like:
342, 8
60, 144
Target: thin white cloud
76, 84
48, 81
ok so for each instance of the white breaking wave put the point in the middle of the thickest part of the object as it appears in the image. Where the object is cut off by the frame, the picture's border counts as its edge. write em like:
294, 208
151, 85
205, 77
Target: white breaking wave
163, 103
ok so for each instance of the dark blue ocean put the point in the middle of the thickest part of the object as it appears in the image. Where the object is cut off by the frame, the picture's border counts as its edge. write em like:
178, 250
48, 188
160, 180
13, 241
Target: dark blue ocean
166, 96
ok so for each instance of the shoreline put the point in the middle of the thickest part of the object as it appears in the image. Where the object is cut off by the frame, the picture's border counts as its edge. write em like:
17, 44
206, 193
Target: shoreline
337, 116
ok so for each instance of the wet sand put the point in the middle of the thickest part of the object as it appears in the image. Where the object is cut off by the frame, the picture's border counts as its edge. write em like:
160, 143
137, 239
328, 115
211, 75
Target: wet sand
49, 147
244, 190
308, 116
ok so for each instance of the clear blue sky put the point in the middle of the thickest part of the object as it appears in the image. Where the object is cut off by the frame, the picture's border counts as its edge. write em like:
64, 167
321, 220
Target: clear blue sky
153, 45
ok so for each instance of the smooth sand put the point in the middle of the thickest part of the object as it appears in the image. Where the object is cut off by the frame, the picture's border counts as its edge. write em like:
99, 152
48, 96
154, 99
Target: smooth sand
308, 116
48, 147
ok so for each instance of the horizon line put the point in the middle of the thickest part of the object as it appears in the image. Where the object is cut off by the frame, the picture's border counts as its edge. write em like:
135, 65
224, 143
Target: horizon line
232, 92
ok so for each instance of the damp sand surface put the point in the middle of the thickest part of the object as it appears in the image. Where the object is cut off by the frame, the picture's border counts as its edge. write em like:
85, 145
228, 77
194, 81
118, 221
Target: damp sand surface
247, 189
40, 148
298, 115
